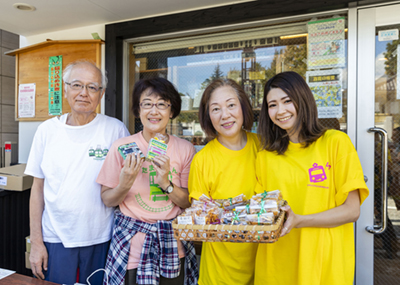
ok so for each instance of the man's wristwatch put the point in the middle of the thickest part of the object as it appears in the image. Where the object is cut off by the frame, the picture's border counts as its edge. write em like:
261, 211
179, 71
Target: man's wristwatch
169, 189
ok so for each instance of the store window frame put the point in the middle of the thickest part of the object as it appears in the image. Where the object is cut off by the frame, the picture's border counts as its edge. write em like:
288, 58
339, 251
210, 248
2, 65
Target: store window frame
246, 15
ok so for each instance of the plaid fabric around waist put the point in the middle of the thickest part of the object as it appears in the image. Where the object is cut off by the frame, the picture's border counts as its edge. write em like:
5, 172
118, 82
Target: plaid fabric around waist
159, 254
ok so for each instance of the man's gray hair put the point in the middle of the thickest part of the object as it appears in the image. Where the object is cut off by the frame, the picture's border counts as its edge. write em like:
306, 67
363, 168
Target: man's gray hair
68, 69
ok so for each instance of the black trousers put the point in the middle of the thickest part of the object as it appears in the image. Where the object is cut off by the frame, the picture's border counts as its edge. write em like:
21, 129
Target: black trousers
130, 277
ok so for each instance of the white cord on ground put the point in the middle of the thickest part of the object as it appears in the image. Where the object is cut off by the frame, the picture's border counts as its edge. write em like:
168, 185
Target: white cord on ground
87, 279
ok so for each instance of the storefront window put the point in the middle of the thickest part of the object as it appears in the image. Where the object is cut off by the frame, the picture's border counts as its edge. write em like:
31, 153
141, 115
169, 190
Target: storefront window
250, 57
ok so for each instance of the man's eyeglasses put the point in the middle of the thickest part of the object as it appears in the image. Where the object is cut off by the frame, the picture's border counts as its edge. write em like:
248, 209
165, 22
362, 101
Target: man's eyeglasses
159, 105
91, 88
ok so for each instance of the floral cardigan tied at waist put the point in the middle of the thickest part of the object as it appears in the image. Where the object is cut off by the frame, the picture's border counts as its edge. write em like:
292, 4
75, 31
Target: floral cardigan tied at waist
159, 254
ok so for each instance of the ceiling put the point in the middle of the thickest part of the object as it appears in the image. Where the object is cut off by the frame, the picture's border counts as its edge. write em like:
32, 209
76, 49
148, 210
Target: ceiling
56, 15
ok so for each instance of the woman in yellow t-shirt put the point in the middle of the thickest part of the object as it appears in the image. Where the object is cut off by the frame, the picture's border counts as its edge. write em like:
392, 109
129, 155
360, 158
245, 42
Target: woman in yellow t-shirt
223, 169
319, 173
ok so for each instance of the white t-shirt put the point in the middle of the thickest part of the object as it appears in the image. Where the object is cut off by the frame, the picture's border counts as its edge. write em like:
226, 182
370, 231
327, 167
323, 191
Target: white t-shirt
69, 159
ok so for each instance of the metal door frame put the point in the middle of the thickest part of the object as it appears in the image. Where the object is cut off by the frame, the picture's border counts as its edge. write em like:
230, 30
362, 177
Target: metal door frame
367, 21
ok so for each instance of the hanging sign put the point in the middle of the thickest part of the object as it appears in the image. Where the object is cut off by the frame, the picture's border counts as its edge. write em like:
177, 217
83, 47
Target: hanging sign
326, 43
326, 87
26, 100
55, 85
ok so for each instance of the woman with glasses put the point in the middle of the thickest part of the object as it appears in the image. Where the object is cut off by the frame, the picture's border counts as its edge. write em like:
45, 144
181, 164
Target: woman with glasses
223, 169
149, 195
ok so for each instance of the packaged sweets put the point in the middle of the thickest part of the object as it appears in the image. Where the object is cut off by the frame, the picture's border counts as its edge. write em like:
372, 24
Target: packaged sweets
260, 219
187, 217
242, 210
261, 209
232, 202
210, 215
275, 195
205, 199
271, 195
265, 207
157, 146
233, 218
129, 148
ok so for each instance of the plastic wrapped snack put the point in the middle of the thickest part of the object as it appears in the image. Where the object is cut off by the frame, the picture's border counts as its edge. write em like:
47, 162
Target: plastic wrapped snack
242, 210
197, 203
260, 219
187, 217
275, 195
205, 199
157, 146
210, 215
265, 207
236, 201
271, 195
272, 208
130, 148
233, 218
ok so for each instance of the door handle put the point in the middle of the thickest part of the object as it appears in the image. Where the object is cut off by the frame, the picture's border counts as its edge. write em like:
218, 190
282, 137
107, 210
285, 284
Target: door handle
377, 229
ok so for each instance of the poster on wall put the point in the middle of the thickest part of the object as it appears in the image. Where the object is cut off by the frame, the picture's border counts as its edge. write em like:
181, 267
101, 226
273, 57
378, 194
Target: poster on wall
326, 87
326, 43
55, 85
26, 100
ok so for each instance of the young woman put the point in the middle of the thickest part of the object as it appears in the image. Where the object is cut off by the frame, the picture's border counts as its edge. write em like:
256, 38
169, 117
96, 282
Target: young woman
223, 169
320, 175
149, 195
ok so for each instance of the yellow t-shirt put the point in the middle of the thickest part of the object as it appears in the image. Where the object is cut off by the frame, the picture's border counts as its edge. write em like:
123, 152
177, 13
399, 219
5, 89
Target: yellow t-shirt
222, 173
312, 180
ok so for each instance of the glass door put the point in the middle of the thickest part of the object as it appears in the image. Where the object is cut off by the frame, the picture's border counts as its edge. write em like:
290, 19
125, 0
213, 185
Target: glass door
378, 145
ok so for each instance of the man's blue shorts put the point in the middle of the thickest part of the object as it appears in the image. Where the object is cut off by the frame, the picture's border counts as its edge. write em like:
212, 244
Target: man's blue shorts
64, 262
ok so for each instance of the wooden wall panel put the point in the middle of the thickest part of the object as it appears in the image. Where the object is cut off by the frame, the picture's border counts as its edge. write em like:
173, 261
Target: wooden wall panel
33, 67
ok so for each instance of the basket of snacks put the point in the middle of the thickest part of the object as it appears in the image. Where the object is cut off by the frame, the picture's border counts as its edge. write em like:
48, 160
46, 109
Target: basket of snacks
237, 219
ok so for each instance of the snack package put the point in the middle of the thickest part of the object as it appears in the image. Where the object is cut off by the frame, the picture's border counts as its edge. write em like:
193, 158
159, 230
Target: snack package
129, 148
238, 200
196, 204
269, 206
260, 219
205, 199
187, 217
211, 215
271, 195
272, 208
275, 195
233, 218
157, 146
243, 210
261, 209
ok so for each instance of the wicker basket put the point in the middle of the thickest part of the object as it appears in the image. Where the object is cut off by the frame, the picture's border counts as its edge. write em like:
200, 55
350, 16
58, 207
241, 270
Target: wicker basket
230, 233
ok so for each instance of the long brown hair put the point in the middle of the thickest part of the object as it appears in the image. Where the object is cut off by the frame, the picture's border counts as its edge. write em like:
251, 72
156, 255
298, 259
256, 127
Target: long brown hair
272, 137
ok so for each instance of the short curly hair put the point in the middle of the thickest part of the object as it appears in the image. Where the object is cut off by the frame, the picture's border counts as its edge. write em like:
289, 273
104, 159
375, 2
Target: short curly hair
161, 87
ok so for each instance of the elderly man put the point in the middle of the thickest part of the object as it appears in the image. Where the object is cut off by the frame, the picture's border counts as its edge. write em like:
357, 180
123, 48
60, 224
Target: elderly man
70, 226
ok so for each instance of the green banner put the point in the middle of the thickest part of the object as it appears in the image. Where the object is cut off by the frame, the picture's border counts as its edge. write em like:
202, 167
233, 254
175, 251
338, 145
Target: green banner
55, 85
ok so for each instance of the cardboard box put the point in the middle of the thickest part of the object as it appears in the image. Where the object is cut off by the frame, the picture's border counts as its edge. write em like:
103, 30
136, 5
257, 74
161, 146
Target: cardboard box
13, 178
28, 243
27, 262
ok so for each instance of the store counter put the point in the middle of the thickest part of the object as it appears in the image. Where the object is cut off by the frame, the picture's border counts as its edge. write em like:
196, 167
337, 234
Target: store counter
18, 279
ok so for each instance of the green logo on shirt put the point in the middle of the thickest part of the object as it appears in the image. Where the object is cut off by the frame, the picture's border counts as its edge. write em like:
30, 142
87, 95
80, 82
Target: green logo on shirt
98, 153
155, 192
